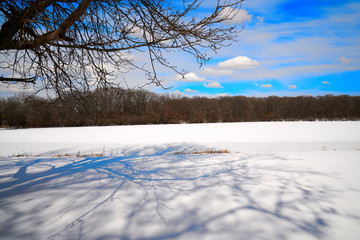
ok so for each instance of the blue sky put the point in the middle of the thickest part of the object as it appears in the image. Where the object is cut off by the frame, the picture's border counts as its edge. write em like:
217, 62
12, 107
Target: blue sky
288, 48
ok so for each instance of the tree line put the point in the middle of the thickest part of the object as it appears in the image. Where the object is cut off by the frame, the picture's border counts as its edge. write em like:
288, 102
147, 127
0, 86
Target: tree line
117, 106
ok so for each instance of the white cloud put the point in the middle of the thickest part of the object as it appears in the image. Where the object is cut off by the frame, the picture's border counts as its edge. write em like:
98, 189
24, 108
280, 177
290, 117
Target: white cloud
309, 92
235, 15
325, 82
266, 85
345, 60
177, 92
291, 73
218, 72
213, 85
261, 19
222, 95
240, 62
242, 16
283, 60
140, 33
14, 88
292, 86
190, 77
188, 90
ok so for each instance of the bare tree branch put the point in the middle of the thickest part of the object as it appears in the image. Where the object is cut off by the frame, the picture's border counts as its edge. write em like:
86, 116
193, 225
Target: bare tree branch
23, 80
78, 44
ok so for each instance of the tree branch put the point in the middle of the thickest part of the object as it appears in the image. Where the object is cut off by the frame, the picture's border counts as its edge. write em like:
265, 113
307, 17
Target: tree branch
17, 20
58, 34
80, 44
24, 80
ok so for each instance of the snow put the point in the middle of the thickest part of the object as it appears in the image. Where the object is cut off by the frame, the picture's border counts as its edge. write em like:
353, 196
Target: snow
282, 180
265, 136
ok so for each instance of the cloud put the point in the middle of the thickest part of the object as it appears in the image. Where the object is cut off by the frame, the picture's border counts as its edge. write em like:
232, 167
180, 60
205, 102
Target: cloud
266, 85
140, 33
188, 90
12, 88
290, 73
240, 62
261, 20
222, 95
235, 15
213, 85
218, 72
190, 77
283, 60
325, 82
345, 60
177, 92
292, 86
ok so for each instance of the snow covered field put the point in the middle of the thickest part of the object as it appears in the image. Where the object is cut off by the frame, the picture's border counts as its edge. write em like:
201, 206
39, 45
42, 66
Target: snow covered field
285, 180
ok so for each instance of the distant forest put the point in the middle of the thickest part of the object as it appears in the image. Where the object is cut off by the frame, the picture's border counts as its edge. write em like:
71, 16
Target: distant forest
116, 106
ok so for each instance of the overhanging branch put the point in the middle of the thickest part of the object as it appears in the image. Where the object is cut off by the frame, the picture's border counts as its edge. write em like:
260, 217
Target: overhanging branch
18, 80
78, 44
58, 34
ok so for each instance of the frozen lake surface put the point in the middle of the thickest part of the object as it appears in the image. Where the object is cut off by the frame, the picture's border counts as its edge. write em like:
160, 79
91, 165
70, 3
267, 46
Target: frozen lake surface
288, 180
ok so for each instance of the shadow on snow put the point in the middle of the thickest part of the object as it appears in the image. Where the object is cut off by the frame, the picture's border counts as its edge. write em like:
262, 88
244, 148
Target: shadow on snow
152, 193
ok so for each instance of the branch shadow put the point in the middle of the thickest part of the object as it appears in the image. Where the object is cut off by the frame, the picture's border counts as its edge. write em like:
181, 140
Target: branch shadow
156, 193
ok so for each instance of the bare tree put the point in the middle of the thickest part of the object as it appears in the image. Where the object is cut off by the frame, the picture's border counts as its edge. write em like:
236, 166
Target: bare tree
76, 44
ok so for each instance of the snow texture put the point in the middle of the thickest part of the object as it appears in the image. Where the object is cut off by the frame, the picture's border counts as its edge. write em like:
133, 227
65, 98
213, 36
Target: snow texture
280, 181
